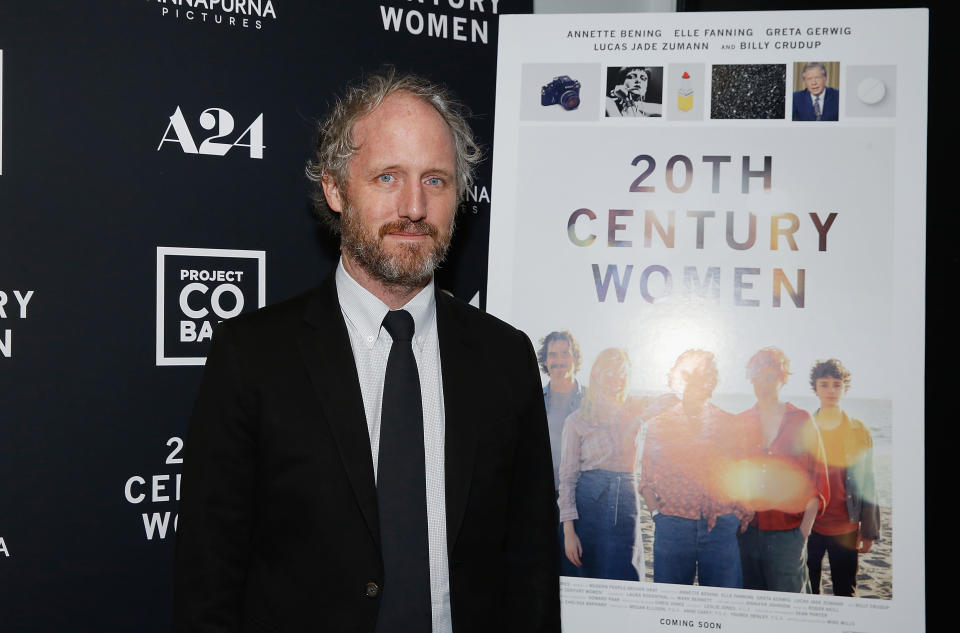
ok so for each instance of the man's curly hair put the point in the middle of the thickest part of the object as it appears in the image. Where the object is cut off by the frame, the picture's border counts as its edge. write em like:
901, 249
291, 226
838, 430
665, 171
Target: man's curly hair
830, 368
335, 144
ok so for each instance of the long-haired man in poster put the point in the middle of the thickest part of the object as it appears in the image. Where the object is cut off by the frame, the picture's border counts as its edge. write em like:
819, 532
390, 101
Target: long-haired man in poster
560, 358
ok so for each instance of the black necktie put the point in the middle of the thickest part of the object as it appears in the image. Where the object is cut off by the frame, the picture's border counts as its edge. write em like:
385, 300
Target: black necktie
402, 489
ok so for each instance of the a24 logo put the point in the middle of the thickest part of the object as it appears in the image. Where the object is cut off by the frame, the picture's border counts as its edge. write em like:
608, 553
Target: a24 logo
178, 132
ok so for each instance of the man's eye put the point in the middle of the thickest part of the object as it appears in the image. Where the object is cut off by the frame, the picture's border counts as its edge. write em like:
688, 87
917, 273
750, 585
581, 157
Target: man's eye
386, 178
434, 181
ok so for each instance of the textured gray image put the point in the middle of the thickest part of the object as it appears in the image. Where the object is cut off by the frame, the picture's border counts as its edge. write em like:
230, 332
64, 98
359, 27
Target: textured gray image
748, 91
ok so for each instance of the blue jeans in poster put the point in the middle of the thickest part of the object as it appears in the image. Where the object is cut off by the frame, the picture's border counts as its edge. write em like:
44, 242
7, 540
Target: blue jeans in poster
606, 503
774, 560
683, 549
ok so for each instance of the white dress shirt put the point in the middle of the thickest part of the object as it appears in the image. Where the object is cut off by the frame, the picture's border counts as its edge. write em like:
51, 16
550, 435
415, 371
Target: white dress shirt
363, 313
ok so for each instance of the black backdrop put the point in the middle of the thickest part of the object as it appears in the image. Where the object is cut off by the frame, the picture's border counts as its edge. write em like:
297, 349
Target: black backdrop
88, 192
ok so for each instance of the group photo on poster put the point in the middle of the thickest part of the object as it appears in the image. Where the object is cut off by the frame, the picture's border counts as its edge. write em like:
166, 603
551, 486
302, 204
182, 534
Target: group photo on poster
674, 489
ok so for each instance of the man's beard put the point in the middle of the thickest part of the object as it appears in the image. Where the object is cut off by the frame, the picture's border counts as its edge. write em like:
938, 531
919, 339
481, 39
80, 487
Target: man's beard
406, 265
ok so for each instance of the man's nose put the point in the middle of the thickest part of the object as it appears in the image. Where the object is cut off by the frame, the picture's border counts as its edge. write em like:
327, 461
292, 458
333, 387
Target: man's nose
413, 204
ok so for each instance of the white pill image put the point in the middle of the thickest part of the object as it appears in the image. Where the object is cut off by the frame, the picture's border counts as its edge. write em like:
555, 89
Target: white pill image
871, 91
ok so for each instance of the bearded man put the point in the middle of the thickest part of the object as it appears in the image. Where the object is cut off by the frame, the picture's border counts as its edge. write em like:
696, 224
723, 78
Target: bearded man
373, 455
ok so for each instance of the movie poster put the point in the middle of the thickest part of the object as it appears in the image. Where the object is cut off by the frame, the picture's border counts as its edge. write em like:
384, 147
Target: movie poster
711, 226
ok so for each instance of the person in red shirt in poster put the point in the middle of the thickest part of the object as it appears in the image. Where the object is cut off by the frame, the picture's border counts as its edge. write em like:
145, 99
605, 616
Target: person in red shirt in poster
784, 480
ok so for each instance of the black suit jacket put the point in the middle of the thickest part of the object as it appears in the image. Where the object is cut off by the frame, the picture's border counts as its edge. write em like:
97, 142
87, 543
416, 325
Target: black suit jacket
278, 527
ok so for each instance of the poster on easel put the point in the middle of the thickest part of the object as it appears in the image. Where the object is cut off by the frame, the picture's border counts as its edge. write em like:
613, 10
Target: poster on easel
711, 227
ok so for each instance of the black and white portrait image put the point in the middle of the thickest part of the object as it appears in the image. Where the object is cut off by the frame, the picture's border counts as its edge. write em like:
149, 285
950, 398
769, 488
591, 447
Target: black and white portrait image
634, 91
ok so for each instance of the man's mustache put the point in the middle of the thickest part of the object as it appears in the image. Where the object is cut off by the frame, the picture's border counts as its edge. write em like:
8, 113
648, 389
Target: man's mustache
409, 227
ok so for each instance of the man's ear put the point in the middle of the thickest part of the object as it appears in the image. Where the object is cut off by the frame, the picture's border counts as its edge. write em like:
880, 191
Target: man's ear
332, 193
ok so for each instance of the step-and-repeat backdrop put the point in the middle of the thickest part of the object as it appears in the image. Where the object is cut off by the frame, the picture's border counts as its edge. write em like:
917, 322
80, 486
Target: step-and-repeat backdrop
151, 185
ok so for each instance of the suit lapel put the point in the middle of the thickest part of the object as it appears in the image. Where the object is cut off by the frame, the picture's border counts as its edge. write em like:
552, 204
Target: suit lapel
325, 347
461, 418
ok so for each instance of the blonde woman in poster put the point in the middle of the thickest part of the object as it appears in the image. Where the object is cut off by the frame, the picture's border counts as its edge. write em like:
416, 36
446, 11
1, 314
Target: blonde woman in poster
784, 475
851, 522
688, 449
597, 501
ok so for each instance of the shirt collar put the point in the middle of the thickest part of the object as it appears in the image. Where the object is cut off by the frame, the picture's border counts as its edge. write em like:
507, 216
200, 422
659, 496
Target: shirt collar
365, 312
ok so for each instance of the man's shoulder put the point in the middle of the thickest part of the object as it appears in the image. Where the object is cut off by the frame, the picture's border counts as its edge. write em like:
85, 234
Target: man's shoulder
716, 415
482, 348
667, 417
750, 415
796, 416
476, 322
833, 97
262, 340
800, 429
859, 431
277, 319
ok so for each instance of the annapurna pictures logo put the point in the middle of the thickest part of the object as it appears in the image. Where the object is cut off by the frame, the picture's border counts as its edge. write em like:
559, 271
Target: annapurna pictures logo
236, 13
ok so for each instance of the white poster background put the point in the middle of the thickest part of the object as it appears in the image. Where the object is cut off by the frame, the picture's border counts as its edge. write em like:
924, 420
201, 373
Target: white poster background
863, 295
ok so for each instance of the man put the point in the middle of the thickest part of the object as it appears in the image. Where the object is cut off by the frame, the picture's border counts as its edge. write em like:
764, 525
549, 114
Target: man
787, 474
372, 456
818, 102
559, 357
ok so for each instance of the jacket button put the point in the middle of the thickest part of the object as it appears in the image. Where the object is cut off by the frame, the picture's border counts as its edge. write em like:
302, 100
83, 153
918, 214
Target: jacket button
372, 590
